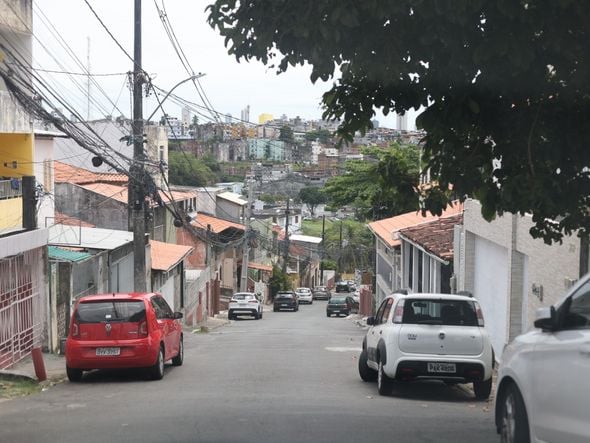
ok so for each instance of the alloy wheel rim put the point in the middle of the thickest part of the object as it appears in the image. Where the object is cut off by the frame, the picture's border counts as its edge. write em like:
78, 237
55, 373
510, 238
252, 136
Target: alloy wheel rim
508, 419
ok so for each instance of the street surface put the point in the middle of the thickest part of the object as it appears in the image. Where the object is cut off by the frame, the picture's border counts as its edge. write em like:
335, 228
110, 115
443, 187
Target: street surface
290, 377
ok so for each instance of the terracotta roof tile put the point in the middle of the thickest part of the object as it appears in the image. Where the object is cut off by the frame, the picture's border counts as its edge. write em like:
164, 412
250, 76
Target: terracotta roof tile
217, 224
167, 255
115, 192
65, 173
436, 237
388, 228
62, 219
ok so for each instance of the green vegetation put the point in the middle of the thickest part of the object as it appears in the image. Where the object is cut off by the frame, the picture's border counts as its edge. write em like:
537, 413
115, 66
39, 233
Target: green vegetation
312, 196
380, 188
186, 170
17, 387
503, 85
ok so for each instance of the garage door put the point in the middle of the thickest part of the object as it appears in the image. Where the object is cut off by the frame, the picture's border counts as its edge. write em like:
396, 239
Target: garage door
491, 289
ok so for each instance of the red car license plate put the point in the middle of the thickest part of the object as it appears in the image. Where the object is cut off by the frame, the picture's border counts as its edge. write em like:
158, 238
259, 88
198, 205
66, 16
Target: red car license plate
108, 351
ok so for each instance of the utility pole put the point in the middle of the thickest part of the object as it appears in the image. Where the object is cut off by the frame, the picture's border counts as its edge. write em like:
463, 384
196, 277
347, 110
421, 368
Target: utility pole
323, 249
136, 191
286, 251
246, 247
340, 251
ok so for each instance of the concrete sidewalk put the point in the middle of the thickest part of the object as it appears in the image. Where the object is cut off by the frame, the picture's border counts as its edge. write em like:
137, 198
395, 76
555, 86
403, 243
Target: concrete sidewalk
55, 364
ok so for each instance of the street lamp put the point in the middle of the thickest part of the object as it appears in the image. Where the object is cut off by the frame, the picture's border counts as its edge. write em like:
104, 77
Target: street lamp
192, 77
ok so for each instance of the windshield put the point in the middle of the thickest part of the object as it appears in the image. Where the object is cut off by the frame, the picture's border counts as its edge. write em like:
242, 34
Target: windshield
113, 311
441, 312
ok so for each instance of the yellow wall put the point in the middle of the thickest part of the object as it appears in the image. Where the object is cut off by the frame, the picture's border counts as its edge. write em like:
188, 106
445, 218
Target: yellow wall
11, 213
19, 148
263, 118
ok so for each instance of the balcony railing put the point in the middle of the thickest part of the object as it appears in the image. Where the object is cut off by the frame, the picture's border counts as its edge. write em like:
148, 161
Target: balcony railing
10, 188
13, 118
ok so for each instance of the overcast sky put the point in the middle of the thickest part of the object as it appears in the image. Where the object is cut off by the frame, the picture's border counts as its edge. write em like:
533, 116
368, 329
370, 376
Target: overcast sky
230, 86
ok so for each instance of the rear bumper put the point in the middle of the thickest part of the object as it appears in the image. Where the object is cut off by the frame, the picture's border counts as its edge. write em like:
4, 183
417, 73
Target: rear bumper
279, 307
243, 311
465, 371
133, 354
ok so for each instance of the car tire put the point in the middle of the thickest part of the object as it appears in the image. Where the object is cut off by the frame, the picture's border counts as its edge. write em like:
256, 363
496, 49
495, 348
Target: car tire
514, 423
230, 315
255, 315
275, 310
384, 383
74, 374
260, 315
157, 370
179, 359
328, 315
482, 389
366, 373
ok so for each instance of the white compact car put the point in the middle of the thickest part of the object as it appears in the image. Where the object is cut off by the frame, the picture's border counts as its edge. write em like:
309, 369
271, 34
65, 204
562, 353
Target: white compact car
428, 336
305, 295
244, 303
543, 390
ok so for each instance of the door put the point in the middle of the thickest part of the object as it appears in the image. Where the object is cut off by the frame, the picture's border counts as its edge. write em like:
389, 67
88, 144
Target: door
561, 367
168, 326
376, 332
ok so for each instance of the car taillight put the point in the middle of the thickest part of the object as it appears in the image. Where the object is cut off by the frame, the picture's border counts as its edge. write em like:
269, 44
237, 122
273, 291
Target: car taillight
479, 314
75, 329
399, 312
142, 329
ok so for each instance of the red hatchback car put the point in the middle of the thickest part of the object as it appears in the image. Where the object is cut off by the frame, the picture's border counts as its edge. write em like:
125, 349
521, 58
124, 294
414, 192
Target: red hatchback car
134, 330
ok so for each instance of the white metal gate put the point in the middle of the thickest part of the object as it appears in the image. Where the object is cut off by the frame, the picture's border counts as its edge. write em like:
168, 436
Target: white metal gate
21, 306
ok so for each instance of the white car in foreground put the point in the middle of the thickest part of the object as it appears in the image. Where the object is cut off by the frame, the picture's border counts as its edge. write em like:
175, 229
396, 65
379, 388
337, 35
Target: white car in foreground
428, 336
244, 303
543, 391
305, 295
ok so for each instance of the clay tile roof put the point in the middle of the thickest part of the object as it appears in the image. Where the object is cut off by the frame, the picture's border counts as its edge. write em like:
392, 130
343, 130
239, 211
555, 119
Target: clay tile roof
65, 173
166, 256
115, 192
260, 266
62, 219
436, 237
217, 224
388, 228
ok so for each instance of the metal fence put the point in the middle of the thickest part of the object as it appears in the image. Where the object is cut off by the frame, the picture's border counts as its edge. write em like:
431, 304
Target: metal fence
21, 306
10, 188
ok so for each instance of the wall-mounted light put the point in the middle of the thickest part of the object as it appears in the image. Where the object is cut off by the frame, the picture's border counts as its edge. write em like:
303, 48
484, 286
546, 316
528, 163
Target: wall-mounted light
538, 291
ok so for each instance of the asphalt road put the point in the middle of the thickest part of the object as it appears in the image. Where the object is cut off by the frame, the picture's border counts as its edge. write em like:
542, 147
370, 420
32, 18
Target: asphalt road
290, 377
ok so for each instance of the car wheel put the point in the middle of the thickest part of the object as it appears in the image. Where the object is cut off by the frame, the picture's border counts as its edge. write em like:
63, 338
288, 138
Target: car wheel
260, 315
255, 315
230, 315
179, 359
328, 314
514, 424
275, 310
366, 373
74, 374
384, 383
482, 389
157, 371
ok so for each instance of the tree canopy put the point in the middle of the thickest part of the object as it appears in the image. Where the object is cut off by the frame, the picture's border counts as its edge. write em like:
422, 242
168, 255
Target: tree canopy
503, 84
312, 196
380, 187
187, 170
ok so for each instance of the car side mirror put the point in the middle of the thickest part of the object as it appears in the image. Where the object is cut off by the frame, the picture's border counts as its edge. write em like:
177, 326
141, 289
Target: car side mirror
178, 315
546, 319
371, 321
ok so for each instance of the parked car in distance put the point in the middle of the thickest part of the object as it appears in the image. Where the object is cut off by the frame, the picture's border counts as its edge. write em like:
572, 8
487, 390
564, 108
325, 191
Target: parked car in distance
129, 330
428, 336
244, 303
304, 295
285, 300
341, 304
542, 388
321, 293
342, 286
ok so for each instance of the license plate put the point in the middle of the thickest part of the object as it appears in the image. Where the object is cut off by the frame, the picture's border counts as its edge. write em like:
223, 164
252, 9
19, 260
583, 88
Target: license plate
448, 368
284, 305
243, 305
108, 351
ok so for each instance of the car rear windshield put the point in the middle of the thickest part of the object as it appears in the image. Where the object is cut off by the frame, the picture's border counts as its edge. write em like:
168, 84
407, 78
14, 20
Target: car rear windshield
337, 300
114, 311
288, 295
440, 312
242, 296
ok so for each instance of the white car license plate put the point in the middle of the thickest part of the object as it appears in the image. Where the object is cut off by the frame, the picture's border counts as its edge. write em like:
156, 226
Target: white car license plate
448, 368
284, 305
108, 351
243, 305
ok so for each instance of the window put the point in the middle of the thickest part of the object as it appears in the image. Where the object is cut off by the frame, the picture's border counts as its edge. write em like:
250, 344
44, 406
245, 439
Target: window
161, 308
578, 309
383, 312
440, 312
112, 311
